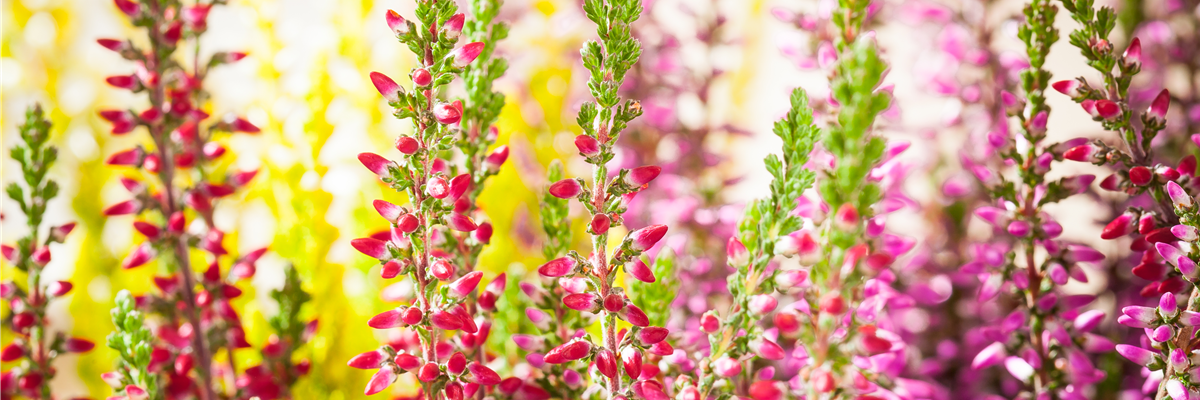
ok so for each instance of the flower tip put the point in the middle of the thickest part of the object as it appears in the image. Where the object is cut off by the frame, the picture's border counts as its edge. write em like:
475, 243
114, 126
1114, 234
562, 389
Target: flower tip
386, 86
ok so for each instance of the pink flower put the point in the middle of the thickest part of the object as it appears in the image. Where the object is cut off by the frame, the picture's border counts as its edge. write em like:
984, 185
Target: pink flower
642, 175
368, 360
645, 238
1158, 108
727, 367
376, 163
381, 380
638, 270
1067, 87
1133, 53
453, 27
397, 23
465, 285
566, 188
386, 86
448, 113
496, 159
588, 146
463, 56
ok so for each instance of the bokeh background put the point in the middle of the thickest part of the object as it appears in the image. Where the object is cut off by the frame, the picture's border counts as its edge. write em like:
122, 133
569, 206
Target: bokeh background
305, 84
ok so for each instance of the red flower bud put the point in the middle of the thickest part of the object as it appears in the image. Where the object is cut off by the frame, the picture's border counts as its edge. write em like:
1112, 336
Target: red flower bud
396, 23
645, 238
566, 188
421, 77
386, 320
447, 114
557, 267
429, 372
638, 270
463, 56
386, 86
496, 159
407, 145
1140, 176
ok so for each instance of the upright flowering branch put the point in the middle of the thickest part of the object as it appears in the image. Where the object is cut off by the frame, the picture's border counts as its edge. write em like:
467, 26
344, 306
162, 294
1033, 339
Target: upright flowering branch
1047, 334
1169, 225
606, 198
736, 338
180, 175
34, 344
425, 237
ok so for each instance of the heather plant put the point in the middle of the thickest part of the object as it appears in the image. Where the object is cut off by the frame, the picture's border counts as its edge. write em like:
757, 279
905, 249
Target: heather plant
1045, 341
590, 282
1164, 219
437, 240
177, 176
34, 343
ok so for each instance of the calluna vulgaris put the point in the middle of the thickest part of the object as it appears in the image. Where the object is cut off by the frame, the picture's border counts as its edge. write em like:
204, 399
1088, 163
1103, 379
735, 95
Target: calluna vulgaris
823, 290
176, 177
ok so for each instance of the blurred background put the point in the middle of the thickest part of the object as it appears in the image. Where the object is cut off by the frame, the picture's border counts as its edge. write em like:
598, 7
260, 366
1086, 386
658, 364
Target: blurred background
714, 77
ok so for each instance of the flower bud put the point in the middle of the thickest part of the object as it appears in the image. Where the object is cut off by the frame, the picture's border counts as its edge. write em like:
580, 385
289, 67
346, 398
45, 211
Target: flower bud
1179, 197
652, 335
59, 288
461, 223
1107, 110
386, 86
588, 146
566, 189
583, 302
465, 285
736, 253
368, 360
727, 367
412, 316
762, 304
463, 56
1082, 153
1138, 355
638, 270
1119, 227
448, 113
642, 175
12, 352
645, 238
832, 304
709, 323
376, 163
1067, 87
496, 159
453, 27
571, 351
421, 77
386, 320
442, 269
766, 349
1133, 54
557, 267
1140, 176
140, 256
371, 247
397, 23
1158, 108
606, 363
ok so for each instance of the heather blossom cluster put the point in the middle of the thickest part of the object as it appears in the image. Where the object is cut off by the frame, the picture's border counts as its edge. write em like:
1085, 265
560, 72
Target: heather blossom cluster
823, 290
175, 179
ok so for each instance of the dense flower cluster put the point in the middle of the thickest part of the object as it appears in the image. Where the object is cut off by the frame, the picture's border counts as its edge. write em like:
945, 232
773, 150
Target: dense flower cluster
825, 288
36, 345
176, 179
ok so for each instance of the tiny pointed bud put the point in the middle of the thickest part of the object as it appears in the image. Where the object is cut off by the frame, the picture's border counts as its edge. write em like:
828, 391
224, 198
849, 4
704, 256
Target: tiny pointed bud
566, 189
386, 320
1179, 197
1082, 153
736, 253
1138, 355
1067, 87
447, 113
557, 267
989, 356
588, 146
1133, 53
381, 380
767, 349
372, 247
140, 256
653, 335
496, 158
642, 175
1121, 226
1158, 108
466, 284
463, 56
461, 223
397, 23
762, 304
386, 86
727, 367
645, 238
376, 163
1107, 110
482, 375
638, 270
453, 27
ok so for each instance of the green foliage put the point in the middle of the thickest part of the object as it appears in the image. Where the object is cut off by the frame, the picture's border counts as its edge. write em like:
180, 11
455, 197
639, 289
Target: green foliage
133, 342
609, 60
766, 219
35, 157
482, 104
